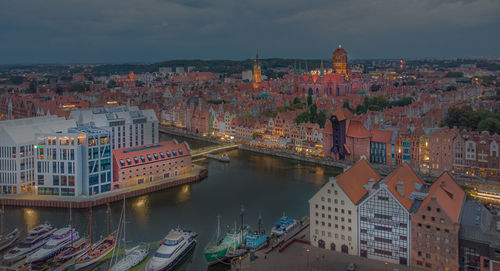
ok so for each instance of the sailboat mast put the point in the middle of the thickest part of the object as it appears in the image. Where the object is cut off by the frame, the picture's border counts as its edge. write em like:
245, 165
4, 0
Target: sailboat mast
90, 221
1, 222
218, 228
107, 219
260, 223
241, 229
124, 222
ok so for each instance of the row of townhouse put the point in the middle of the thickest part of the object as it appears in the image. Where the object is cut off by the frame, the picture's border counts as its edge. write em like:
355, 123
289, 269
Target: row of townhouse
397, 219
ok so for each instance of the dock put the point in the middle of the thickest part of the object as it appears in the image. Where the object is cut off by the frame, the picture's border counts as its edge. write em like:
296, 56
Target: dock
290, 237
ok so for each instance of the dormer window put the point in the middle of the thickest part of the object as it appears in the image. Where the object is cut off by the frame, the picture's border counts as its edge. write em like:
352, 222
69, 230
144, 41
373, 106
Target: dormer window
136, 160
149, 157
180, 151
143, 159
162, 155
122, 162
155, 156
128, 161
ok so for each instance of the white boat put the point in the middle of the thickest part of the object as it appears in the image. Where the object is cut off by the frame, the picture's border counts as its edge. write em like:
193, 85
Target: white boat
172, 250
133, 257
57, 242
37, 237
9, 239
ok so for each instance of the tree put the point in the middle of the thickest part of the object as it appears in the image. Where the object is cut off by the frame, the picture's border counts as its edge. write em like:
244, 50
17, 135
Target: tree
32, 88
375, 87
303, 117
347, 105
111, 84
309, 100
296, 100
489, 124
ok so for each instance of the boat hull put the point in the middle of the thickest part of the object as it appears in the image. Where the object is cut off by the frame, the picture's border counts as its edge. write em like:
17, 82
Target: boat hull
131, 260
170, 265
216, 256
9, 239
87, 262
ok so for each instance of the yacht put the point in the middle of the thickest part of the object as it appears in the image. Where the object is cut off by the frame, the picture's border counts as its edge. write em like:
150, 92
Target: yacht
133, 257
37, 237
57, 242
9, 239
284, 225
172, 250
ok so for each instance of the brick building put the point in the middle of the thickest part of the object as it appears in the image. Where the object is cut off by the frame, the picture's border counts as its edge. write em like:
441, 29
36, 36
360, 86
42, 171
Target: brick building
149, 163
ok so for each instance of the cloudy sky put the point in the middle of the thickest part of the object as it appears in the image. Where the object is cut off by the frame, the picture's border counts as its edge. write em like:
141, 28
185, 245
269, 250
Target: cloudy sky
69, 31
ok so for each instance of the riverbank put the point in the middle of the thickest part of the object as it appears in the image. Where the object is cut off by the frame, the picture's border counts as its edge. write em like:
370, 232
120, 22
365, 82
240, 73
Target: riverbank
30, 200
382, 170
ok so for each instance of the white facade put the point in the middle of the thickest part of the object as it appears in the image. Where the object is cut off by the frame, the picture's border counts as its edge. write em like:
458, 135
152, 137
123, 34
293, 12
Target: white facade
129, 126
74, 163
384, 228
333, 219
247, 75
17, 157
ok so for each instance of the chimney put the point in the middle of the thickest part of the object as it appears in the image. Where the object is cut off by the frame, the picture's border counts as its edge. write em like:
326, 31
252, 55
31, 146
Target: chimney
401, 189
369, 186
433, 197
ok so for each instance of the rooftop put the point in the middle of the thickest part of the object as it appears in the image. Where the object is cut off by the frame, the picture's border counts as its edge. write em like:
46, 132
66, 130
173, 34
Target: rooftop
353, 180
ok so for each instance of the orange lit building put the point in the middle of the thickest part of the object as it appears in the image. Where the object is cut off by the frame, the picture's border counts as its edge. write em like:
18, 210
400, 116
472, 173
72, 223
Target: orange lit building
340, 61
149, 163
257, 72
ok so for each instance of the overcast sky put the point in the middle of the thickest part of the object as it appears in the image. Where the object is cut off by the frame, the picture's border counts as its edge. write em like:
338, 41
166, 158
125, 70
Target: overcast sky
70, 31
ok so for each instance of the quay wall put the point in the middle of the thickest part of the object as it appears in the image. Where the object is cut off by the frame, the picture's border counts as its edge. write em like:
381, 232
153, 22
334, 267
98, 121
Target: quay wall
115, 195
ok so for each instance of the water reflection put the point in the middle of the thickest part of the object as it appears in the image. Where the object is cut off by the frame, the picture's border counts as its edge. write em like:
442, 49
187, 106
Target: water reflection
140, 206
184, 193
31, 217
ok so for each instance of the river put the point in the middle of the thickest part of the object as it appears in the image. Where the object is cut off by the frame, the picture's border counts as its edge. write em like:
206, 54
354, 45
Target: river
259, 183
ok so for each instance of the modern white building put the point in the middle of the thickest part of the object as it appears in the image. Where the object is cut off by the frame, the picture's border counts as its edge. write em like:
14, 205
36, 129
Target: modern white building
129, 126
17, 158
334, 209
384, 217
74, 163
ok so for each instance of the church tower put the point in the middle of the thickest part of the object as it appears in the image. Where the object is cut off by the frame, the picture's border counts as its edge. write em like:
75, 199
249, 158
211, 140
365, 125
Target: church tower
340, 61
257, 76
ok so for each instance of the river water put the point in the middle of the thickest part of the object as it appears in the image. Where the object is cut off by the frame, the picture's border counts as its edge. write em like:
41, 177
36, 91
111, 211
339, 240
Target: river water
259, 183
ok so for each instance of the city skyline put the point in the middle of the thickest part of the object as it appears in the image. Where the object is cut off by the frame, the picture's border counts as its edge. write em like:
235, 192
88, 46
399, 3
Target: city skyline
151, 31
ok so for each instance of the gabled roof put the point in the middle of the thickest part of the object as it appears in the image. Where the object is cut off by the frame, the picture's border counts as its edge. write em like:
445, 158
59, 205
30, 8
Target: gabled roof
384, 136
151, 153
343, 114
449, 195
409, 179
357, 130
352, 180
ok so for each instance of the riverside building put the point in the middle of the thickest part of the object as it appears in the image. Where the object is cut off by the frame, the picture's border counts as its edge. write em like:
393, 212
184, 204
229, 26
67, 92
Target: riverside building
17, 156
74, 163
129, 126
149, 163
334, 209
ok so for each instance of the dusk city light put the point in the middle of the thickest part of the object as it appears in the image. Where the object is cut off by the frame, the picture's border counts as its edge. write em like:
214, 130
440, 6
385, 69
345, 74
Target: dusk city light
226, 135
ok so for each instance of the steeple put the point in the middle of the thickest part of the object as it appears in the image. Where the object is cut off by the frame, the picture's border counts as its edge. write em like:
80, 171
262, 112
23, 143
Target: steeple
322, 68
300, 68
295, 67
307, 70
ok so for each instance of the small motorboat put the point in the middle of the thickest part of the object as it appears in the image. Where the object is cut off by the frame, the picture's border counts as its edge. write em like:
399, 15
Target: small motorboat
77, 249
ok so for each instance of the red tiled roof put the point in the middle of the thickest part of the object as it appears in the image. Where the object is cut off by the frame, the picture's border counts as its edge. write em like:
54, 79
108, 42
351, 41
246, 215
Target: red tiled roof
449, 195
343, 114
408, 177
352, 180
384, 136
138, 153
357, 130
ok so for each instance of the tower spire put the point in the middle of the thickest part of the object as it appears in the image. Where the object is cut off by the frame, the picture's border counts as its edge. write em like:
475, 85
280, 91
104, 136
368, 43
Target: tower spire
322, 68
307, 70
295, 67
300, 68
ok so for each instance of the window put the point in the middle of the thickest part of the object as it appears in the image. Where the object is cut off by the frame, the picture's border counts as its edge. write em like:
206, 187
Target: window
423, 216
155, 156
149, 157
142, 158
174, 153
180, 151
162, 155
442, 221
136, 160
128, 161
122, 162
427, 255
168, 153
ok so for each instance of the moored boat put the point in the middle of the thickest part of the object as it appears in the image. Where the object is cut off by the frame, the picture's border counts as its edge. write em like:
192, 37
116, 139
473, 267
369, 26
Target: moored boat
37, 237
174, 247
56, 243
283, 225
257, 239
9, 239
216, 252
96, 253
74, 250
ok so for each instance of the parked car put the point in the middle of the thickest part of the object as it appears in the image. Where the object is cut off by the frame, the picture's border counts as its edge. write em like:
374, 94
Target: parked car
351, 267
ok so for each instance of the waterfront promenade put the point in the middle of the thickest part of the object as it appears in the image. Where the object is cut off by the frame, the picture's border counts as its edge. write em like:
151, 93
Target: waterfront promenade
30, 200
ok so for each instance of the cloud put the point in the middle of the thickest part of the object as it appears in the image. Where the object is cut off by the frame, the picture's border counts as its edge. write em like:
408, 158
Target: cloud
150, 30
